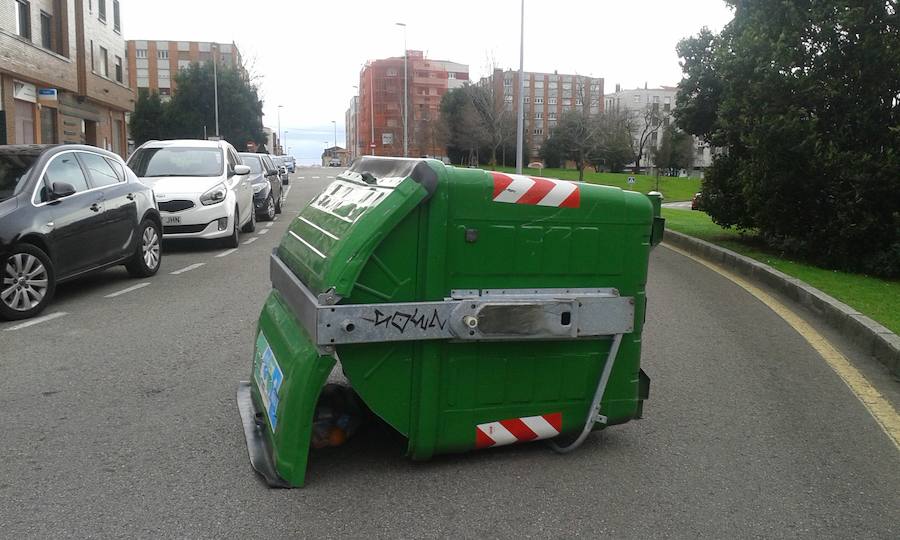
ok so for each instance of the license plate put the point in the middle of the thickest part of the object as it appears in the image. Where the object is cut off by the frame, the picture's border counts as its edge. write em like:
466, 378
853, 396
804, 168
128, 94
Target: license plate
171, 220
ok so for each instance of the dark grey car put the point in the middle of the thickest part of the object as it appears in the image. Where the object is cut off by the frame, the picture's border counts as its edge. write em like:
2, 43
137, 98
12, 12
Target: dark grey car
268, 193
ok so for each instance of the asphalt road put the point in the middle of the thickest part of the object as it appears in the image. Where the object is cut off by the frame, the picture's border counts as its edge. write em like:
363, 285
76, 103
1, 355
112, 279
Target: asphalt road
118, 419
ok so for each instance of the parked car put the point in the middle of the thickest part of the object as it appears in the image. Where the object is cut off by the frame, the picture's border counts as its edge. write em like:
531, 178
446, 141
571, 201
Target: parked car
67, 211
697, 201
202, 188
290, 163
279, 162
268, 193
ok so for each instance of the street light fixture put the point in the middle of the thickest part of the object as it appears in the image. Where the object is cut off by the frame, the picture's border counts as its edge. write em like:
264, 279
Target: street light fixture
405, 92
280, 143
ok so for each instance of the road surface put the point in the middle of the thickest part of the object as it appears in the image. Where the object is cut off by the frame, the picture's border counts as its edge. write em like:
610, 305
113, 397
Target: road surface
119, 420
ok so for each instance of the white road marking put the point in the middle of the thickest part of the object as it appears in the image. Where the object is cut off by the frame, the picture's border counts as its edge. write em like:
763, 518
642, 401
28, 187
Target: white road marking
127, 290
226, 253
301, 178
269, 224
37, 320
287, 192
187, 269
330, 177
264, 231
251, 240
315, 177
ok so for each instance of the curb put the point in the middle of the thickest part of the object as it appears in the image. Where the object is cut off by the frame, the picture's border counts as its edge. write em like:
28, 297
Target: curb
872, 337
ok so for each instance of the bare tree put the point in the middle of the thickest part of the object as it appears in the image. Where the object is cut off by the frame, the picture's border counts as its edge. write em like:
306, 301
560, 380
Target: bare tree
499, 123
645, 125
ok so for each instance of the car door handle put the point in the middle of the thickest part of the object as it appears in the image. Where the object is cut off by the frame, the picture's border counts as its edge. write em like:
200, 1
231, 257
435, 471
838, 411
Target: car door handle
130, 196
95, 207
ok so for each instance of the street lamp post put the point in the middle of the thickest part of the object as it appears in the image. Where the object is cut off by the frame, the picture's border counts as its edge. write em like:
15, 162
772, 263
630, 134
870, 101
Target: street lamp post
284, 143
372, 107
334, 124
405, 93
520, 121
280, 143
215, 49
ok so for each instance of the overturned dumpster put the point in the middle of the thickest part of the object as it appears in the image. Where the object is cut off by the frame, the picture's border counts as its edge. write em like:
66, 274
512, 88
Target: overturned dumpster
468, 309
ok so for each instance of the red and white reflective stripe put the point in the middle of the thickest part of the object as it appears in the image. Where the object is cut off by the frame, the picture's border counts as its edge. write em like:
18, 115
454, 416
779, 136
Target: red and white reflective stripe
513, 430
518, 189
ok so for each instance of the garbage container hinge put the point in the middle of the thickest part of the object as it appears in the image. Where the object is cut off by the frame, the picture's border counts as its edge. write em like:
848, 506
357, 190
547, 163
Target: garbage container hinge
467, 315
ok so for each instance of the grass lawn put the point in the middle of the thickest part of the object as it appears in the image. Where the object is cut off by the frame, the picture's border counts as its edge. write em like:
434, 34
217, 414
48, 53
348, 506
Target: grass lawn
867, 294
673, 189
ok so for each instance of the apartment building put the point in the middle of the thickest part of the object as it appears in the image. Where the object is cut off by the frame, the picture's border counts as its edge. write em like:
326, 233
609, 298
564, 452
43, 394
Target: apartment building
157, 62
660, 101
379, 118
350, 125
63, 73
547, 97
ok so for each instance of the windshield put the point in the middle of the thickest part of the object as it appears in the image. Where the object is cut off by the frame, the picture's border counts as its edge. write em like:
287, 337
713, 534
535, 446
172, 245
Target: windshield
174, 161
253, 162
13, 168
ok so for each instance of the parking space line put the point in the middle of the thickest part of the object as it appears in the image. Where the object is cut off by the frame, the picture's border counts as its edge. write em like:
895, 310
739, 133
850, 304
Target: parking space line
251, 240
301, 178
187, 269
264, 231
287, 192
315, 177
269, 224
127, 290
226, 253
37, 320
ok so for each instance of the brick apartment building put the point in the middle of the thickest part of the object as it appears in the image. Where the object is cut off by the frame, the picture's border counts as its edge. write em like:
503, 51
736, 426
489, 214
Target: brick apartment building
377, 120
63, 73
547, 96
156, 62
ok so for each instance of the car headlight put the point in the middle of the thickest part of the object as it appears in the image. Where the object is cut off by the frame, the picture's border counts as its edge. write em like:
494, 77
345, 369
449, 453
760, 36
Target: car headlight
259, 187
214, 196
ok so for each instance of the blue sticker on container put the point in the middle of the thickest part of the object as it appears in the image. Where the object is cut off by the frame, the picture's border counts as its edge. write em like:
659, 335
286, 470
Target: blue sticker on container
268, 377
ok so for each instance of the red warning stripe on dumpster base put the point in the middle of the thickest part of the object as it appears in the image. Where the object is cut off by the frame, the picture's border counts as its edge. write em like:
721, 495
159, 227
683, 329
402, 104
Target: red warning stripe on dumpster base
518, 189
513, 430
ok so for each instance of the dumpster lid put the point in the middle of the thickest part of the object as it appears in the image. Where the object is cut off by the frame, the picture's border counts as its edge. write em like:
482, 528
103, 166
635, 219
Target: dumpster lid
329, 242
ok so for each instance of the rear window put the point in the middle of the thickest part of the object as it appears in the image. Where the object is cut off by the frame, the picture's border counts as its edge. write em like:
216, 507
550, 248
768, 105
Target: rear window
174, 161
13, 168
252, 162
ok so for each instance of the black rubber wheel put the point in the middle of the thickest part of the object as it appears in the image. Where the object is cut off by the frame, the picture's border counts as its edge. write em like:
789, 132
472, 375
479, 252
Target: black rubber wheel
233, 240
250, 226
27, 282
279, 202
271, 208
148, 252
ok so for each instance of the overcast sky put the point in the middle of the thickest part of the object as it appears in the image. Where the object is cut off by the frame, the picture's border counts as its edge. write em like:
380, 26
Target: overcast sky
308, 54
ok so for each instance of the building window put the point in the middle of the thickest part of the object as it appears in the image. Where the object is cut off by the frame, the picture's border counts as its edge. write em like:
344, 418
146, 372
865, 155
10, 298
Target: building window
551, 115
507, 82
391, 72
451, 75
46, 31
165, 91
636, 98
538, 101
101, 10
539, 115
527, 99
507, 98
140, 53
117, 25
552, 101
119, 69
104, 61
538, 84
539, 131
162, 54
23, 19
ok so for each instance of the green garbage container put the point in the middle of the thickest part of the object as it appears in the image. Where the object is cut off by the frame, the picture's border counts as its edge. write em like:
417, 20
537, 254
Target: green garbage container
468, 309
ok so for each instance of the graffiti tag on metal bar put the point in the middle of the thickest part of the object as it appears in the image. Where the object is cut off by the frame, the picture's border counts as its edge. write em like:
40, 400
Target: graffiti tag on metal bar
400, 320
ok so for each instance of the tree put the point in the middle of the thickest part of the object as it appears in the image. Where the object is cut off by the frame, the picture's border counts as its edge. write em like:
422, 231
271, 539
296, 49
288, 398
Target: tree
499, 124
645, 124
466, 133
675, 151
190, 114
148, 120
803, 99
614, 148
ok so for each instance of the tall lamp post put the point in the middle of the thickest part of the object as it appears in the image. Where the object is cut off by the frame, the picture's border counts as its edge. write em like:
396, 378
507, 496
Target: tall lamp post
214, 48
280, 143
284, 143
520, 121
405, 93
334, 124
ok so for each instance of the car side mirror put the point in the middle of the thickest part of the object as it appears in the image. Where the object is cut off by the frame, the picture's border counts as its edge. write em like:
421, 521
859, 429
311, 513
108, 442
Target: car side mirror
59, 190
241, 170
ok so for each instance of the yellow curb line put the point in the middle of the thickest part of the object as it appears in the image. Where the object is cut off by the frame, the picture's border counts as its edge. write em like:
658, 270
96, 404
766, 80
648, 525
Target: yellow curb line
880, 408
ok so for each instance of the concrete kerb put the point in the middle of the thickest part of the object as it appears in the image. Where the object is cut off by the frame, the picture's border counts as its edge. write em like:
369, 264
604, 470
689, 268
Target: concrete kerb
872, 337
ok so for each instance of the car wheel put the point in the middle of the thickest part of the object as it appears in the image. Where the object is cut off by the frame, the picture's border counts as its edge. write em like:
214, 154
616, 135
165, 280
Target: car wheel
233, 240
270, 208
148, 253
27, 282
279, 202
251, 225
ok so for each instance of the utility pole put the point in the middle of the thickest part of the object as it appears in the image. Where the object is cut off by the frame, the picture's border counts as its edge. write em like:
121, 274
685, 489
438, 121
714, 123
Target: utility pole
520, 121
215, 48
280, 142
372, 107
405, 93
334, 123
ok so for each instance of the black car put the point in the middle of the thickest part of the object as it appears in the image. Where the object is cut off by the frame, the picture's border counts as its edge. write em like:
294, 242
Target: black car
66, 211
268, 193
